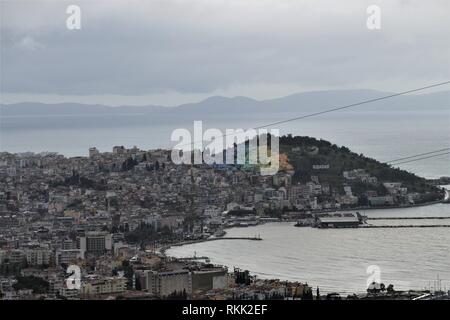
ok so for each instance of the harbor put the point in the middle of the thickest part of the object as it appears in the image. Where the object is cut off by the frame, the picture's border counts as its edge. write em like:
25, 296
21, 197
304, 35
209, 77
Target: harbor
304, 254
358, 220
408, 226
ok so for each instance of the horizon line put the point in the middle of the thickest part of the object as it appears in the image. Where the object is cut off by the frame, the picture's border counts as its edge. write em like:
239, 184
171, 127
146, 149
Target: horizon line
207, 98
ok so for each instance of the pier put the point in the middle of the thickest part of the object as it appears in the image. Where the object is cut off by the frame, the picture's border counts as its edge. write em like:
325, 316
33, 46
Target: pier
406, 218
407, 226
193, 258
218, 238
164, 248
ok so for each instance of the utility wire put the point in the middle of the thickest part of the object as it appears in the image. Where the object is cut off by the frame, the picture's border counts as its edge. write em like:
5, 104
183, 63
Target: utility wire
417, 155
392, 162
423, 158
338, 108
355, 104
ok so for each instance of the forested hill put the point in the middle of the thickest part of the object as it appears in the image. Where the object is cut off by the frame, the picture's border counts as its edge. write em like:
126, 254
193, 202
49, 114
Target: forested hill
312, 157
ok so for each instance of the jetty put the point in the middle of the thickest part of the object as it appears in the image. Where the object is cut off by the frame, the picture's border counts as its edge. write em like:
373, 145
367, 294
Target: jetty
406, 218
256, 238
193, 258
407, 226
178, 244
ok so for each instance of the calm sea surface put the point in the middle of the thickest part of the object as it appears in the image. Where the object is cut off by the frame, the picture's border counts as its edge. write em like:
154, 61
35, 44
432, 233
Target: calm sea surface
334, 260
337, 260
382, 135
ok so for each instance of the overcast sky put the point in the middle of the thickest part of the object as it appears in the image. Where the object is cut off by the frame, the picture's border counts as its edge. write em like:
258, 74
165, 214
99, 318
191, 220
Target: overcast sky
170, 52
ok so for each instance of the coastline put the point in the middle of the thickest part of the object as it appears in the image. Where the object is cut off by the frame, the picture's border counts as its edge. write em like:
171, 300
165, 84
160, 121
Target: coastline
164, 248
292, 236
383, 207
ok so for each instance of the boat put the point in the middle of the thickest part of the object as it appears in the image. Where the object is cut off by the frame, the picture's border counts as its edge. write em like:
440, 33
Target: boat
304, 223
447, 197
219, 233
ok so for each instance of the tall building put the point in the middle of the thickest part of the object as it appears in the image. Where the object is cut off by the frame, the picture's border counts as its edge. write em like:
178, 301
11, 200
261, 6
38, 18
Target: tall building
95, 243
164, 283
68, 244
67, 256
16, 256
38, 256
119, 150
2, 256
209, 278
103, 286
93, 152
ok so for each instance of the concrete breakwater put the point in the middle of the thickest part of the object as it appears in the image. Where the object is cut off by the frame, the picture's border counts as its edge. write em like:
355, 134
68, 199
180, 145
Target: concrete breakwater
407, 226
164, 248
405, 218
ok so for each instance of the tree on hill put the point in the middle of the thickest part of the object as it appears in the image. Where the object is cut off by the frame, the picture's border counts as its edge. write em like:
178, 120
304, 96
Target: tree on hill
342, 159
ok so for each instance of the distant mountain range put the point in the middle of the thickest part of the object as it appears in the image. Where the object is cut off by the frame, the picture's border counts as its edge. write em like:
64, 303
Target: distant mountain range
217, 106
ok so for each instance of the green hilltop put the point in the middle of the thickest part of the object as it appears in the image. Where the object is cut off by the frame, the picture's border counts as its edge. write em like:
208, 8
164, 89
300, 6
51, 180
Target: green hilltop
326, 161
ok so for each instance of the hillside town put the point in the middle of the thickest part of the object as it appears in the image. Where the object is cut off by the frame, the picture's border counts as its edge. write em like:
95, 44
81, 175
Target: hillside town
96, 226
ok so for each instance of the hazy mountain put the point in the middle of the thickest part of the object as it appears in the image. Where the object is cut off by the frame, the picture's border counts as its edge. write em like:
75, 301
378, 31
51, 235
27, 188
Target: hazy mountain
322, 100
34, 108
217, 105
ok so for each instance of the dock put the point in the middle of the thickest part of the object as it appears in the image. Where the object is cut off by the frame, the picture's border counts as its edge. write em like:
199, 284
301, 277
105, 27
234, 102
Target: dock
218, 238
164, 248
193, 258
407, 226
406, 218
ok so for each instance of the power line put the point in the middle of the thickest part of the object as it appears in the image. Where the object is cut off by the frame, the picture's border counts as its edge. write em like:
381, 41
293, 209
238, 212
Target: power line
423, 158
417, 155
337, 108
354, 104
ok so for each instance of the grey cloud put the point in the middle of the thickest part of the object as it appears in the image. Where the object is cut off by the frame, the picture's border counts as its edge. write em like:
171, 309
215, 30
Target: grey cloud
197, 48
